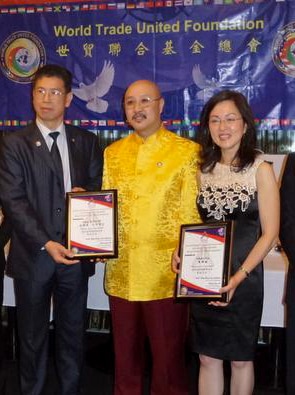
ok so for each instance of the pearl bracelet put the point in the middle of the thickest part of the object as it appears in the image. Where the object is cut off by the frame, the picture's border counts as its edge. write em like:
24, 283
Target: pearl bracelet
242, 269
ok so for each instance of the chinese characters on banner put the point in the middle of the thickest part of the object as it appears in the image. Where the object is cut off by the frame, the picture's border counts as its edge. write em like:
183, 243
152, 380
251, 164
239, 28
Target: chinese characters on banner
190, 48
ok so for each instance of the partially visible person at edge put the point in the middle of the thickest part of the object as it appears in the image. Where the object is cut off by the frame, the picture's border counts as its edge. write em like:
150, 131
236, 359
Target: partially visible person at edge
32, 190
154, 171
287, 238
235, 184
5, 233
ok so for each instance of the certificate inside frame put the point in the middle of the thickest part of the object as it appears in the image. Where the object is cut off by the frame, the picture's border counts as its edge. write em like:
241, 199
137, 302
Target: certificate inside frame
92, 223
205, 260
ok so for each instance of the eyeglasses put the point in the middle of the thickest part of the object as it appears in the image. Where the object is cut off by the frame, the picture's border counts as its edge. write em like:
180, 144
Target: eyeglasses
229, 121
53, 92
143, 102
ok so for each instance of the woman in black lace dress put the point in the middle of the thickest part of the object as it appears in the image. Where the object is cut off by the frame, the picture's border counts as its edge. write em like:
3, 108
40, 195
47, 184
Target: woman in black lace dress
235, 184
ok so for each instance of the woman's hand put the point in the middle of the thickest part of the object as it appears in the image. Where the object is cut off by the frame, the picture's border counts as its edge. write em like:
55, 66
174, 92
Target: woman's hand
230, 288
175, 261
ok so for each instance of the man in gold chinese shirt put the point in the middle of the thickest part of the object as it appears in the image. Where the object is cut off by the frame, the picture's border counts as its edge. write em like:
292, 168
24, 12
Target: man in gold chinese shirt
155, 173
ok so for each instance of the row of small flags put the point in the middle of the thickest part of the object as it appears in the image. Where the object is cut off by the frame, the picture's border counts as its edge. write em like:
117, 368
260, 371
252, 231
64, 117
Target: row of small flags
86, 123
122, 124
120, 5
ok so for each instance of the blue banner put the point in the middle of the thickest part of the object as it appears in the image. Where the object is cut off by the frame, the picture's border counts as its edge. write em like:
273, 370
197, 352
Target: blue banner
191, 51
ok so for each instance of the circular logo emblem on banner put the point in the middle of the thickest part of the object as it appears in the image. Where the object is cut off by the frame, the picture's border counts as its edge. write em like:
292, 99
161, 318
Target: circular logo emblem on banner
21, 54
283, 50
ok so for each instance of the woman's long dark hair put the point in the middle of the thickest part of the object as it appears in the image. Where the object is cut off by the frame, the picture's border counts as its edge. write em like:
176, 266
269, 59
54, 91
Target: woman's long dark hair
211, 153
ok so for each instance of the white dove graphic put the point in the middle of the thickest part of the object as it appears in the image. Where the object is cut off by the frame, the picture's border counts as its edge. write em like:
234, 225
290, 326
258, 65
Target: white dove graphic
207, 86
94, 92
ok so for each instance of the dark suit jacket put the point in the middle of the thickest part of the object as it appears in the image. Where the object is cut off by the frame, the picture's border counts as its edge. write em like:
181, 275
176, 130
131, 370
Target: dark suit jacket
287, 228
32, 193
5, 232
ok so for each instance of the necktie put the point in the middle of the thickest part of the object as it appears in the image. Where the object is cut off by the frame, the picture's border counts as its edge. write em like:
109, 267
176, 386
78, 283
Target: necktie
56, 157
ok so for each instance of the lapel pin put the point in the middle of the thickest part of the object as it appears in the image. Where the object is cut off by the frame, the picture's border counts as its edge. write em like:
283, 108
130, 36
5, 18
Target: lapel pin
73, 140
38, 143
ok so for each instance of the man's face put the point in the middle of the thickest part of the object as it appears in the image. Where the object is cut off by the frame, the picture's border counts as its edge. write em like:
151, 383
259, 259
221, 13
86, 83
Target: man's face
143, 107
50, 101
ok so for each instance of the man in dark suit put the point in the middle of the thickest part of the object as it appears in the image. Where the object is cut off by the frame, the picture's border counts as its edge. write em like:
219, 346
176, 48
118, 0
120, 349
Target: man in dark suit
287, 237
32, 190
5, 231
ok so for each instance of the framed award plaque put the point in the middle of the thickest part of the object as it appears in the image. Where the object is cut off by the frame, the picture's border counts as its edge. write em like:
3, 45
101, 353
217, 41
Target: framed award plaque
92, 229
205, 260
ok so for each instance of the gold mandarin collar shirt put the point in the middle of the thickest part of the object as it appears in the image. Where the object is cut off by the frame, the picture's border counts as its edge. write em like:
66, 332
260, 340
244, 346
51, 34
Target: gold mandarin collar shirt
156, 179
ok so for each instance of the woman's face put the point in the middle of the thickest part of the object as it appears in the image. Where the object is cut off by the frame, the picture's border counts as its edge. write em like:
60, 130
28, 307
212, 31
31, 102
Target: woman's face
227, 127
